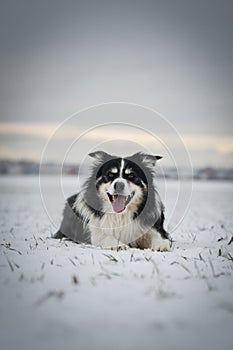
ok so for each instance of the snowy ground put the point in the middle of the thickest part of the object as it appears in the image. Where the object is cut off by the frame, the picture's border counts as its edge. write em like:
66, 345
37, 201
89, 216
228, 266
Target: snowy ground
56, 295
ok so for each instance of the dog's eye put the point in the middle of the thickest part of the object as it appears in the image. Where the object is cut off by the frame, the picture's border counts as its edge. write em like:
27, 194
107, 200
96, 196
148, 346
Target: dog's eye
131, 176
111, 175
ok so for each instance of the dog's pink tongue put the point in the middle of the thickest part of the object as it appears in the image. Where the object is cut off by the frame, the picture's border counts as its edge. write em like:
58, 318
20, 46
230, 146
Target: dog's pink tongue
118, 203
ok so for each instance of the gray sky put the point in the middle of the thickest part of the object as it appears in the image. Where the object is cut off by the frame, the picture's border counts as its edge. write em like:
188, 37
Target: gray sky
60, 56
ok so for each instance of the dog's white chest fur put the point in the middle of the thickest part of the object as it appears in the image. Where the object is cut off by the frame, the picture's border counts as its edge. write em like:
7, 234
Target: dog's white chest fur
114, 229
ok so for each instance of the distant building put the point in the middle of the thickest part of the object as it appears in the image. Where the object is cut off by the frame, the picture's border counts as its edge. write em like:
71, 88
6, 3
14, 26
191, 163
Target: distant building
29, 167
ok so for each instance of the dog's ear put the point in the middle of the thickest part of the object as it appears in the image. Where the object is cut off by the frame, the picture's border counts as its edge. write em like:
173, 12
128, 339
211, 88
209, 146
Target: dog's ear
100, 156
147, 159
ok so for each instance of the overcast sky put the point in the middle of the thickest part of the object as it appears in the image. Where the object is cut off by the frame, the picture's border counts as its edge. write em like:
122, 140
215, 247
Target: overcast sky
60, 56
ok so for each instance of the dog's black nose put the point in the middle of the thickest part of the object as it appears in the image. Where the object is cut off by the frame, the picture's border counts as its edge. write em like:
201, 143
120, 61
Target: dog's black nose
119, 186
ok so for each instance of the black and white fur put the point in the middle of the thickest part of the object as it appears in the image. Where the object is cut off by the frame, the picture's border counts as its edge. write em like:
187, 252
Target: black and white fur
118, 206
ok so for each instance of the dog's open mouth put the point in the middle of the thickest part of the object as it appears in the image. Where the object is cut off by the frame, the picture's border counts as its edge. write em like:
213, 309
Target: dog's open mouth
119, 202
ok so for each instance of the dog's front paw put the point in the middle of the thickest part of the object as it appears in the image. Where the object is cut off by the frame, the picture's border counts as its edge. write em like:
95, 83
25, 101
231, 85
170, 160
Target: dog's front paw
163, 245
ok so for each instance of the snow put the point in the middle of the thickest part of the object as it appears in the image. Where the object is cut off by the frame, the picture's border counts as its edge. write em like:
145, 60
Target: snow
57, 294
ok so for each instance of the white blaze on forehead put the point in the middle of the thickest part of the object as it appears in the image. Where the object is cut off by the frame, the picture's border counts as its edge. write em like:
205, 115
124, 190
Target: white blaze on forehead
122, 167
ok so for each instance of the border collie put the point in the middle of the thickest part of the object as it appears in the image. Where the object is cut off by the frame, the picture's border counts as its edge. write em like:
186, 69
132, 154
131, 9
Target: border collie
118, 206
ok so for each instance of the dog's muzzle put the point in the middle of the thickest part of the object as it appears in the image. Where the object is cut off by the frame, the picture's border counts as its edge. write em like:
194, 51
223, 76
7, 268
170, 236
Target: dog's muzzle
119, 201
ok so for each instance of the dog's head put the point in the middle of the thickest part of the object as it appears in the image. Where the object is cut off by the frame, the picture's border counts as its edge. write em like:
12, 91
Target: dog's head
122, 183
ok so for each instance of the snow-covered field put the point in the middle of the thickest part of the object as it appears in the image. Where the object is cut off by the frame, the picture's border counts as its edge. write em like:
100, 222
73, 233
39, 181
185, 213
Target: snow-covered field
57, 294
